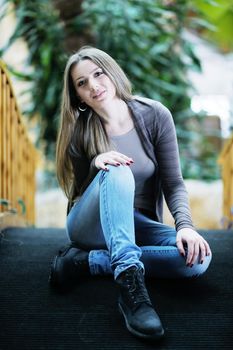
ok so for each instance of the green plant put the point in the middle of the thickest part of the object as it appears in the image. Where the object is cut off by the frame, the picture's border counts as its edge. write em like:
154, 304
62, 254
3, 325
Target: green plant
220, 14
147, 39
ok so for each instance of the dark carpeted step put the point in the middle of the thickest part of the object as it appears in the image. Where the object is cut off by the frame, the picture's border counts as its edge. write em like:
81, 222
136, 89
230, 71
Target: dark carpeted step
197, 314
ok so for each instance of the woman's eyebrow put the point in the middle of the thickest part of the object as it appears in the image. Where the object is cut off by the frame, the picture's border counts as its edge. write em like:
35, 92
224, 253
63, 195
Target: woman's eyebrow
89, 73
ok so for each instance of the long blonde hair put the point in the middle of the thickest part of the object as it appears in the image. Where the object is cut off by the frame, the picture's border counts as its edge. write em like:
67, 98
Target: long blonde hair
84, 132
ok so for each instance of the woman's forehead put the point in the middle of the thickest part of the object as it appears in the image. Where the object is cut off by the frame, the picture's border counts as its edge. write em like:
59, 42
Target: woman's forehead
83, 68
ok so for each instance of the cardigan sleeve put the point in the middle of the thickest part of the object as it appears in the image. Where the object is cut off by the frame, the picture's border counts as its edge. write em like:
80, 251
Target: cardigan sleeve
167, 154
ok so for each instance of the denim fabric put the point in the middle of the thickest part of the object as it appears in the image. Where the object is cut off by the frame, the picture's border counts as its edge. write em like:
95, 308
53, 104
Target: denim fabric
104, 214
118, 236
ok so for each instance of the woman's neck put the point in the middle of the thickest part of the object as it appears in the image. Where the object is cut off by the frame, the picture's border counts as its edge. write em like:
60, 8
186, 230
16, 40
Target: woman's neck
116, 118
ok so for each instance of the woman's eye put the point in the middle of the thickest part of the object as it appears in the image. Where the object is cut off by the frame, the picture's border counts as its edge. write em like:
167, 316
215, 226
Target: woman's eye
81, 83
98, 73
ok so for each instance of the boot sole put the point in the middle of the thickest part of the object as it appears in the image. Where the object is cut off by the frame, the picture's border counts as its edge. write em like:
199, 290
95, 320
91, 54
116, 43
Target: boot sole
155, 336
56, 280
53, 278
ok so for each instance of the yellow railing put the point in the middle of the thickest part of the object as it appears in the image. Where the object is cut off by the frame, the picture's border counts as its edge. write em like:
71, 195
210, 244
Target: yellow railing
17, 156
226, 162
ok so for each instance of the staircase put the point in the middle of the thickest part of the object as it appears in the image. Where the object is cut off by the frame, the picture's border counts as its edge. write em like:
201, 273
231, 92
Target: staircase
18, 158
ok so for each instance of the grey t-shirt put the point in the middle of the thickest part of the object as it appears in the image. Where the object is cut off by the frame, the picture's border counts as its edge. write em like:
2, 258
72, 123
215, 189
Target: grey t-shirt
143, 168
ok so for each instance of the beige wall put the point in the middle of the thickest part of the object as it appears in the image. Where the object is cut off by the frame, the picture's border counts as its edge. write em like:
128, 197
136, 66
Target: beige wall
205, 201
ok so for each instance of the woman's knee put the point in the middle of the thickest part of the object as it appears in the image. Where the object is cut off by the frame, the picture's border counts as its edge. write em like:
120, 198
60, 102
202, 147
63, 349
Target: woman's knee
197, 269
119, 175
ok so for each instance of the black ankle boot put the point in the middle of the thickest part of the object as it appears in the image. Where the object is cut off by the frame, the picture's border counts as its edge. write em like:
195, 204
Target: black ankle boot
67, 267
135, 305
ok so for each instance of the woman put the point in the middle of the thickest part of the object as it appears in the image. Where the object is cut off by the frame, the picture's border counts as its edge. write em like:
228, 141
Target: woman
116, 155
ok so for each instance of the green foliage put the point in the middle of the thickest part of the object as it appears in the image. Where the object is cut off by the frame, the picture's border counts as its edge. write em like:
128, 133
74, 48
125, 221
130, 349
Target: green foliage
145, 37
220, 14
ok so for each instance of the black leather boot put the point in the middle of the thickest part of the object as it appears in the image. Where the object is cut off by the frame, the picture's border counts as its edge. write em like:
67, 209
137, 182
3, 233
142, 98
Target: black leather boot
135, 305
67, 267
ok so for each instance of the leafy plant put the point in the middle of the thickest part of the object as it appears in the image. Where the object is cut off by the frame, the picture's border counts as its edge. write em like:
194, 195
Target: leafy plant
220, 14
145, 37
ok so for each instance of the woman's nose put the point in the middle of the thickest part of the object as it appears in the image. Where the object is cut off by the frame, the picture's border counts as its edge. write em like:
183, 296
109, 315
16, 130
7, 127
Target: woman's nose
93, 85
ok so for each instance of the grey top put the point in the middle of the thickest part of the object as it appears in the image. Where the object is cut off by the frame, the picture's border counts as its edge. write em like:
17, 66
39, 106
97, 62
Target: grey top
156, 130
143, 168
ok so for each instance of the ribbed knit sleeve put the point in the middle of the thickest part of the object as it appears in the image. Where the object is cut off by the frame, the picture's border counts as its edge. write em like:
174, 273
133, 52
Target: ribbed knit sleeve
155, 126
167, 155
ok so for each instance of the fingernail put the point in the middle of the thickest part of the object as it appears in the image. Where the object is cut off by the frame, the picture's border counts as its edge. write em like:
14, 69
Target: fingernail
202, 261
127, 163
191, 265
131, 161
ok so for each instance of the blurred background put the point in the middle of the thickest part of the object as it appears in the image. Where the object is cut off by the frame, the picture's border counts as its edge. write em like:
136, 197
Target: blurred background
177, 52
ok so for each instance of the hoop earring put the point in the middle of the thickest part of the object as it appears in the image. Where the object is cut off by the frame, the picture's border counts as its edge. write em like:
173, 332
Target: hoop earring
82, 109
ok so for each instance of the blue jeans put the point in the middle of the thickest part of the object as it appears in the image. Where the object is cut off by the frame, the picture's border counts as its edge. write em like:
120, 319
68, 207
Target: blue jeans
104, 222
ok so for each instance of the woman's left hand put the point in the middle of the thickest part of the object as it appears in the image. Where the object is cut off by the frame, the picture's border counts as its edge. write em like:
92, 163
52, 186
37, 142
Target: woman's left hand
196, 245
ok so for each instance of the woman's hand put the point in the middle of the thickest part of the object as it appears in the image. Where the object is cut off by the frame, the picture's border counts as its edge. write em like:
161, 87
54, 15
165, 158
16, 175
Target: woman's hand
113, 158
196, 245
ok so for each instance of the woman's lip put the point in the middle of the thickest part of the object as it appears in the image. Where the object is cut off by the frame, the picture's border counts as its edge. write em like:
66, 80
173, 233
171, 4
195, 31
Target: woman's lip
100, 94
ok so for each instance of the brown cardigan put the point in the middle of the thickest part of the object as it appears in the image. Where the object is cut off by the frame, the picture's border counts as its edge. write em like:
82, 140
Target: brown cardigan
156, 129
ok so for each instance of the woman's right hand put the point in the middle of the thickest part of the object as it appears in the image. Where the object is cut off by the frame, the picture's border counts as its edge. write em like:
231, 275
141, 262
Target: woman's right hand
112, 158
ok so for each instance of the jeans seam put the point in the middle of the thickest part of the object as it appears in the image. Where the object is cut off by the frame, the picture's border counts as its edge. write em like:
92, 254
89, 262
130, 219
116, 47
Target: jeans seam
159, 251
106, 208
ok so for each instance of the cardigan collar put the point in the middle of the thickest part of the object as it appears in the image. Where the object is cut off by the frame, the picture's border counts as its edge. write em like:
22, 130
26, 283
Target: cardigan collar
138, 109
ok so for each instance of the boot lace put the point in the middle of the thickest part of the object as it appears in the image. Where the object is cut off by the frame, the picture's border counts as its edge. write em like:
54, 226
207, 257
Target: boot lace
136, 288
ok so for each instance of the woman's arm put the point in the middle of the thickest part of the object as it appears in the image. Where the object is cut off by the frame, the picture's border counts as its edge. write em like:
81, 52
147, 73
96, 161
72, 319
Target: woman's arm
175, 193
167, 154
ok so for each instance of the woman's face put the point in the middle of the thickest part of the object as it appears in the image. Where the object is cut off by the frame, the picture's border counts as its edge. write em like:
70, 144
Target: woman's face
92, 85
